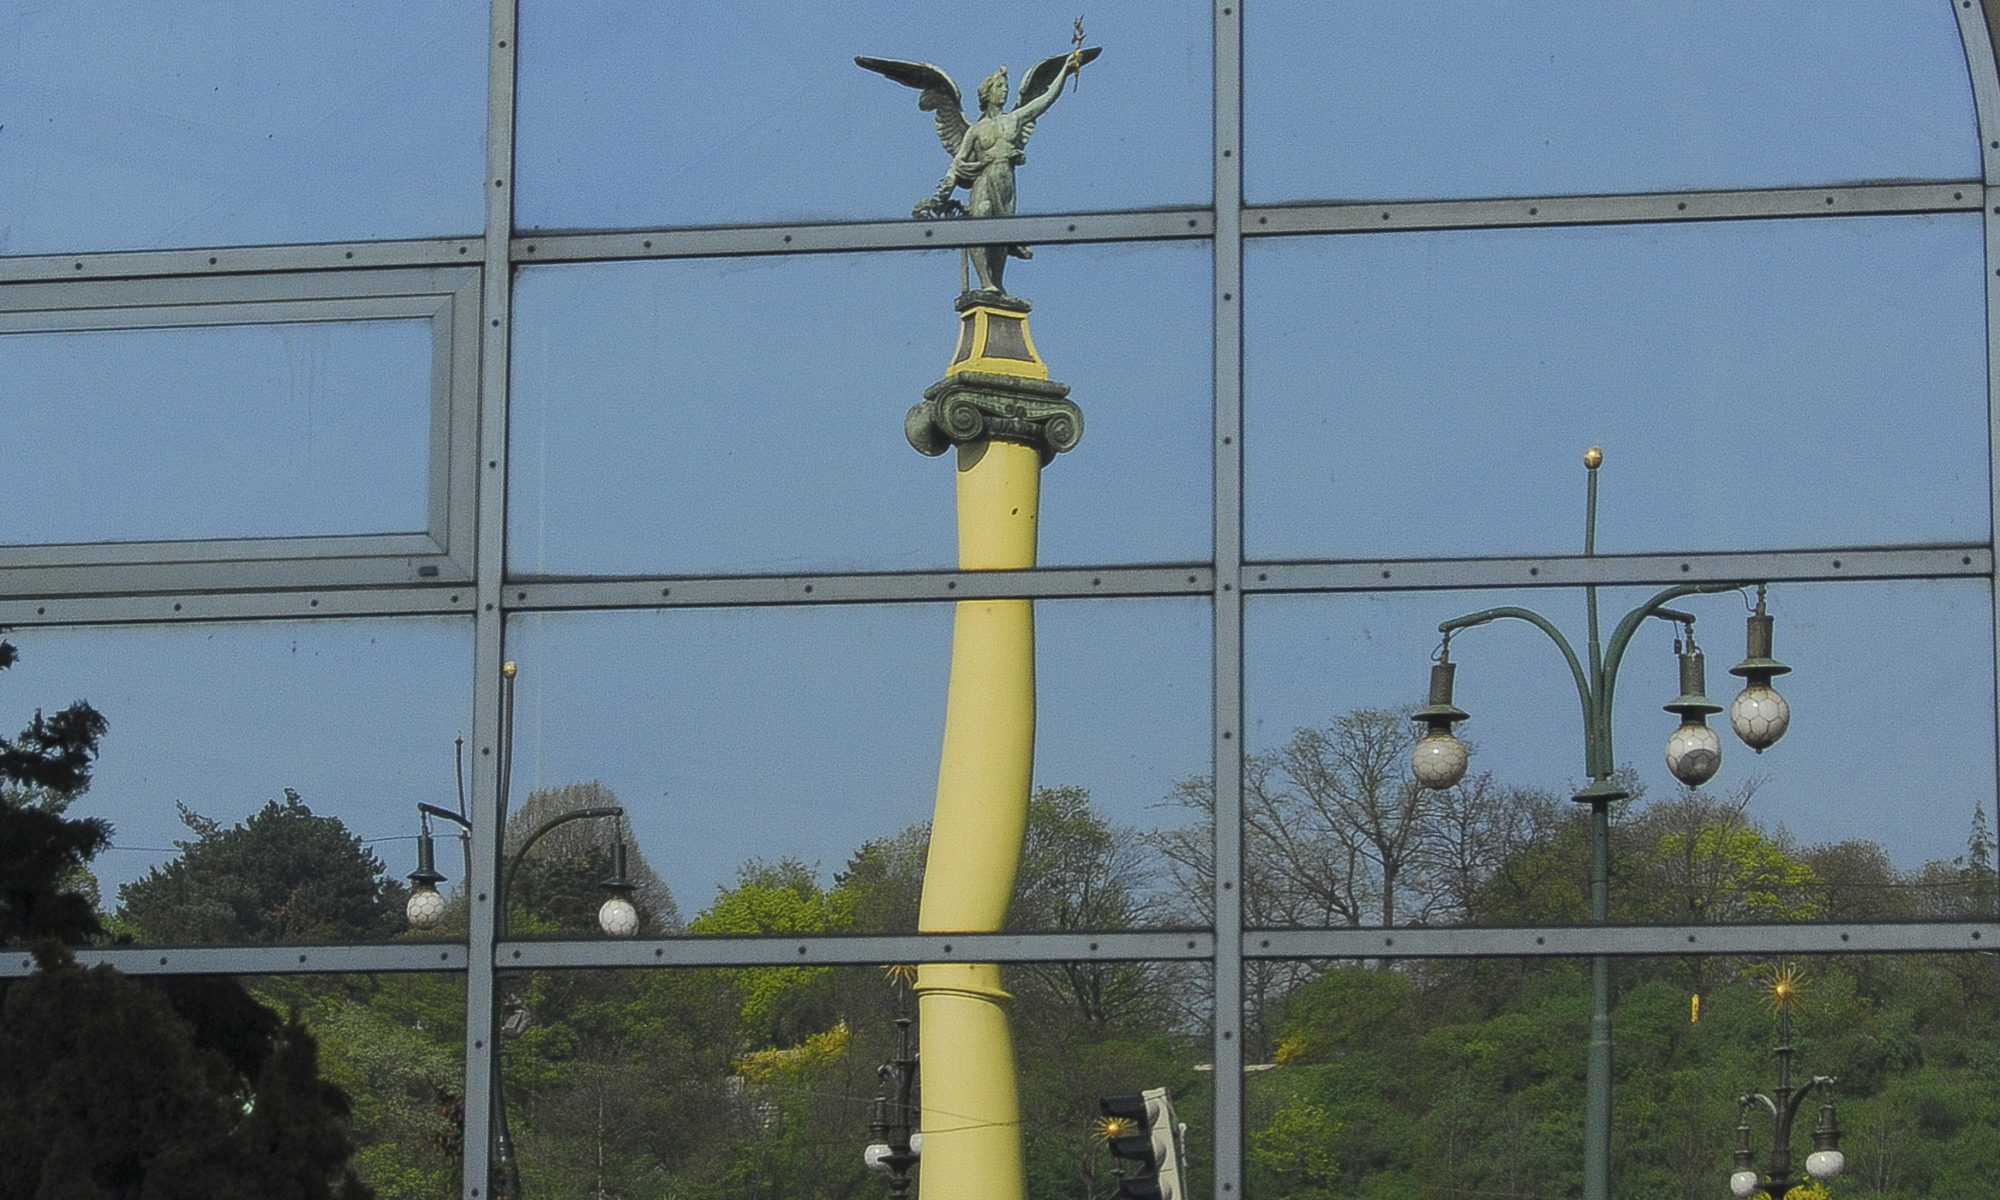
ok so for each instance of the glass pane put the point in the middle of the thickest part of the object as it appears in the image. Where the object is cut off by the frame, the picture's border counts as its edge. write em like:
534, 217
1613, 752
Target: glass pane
1328, 679
639, 115
763, 1081
226, 431
1558, 97
173, 125
395, 1044
800, 746
1753, 385
746, 415
261, 780
1467, 1077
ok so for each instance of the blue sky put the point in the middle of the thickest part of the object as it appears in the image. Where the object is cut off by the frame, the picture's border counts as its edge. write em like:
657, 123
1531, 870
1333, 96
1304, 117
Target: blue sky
1756, 384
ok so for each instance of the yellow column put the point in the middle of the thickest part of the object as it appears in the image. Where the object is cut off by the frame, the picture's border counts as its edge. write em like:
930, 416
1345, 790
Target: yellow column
1006, 418
971, 1112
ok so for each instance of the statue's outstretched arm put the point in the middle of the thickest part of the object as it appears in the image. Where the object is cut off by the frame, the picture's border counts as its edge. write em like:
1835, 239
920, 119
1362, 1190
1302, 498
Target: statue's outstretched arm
1043, 83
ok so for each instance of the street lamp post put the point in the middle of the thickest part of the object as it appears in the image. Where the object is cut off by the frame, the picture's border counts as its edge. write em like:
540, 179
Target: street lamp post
1826, 1160
897, 1145
1693, 754
426, 908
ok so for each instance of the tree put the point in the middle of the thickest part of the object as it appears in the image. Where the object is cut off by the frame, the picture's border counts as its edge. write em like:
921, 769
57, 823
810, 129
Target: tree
1080, 872
884, 881
1857, 882
1964, 886
282, 875
45, 856
1477, 827
106, 1092
1699, 858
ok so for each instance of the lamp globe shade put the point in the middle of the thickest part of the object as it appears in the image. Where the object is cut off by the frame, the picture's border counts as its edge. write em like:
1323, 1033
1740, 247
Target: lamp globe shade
1760, 716
425, 908
618, 918
1694, 753
1439, 760
1825, 1164
1743, 1183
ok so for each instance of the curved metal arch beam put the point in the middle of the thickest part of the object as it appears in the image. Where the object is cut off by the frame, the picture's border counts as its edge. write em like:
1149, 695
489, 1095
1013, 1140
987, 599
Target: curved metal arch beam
1979, 30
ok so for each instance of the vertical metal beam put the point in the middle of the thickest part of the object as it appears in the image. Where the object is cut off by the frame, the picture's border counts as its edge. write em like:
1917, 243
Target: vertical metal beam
1978, 30
481, 1023
1228, 600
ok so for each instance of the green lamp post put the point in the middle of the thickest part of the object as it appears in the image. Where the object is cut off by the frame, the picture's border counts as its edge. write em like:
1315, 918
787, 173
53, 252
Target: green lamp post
1759, 716
1783, 1104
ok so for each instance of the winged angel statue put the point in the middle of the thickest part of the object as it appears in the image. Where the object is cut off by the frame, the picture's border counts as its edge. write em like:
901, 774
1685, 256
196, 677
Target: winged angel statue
985, 152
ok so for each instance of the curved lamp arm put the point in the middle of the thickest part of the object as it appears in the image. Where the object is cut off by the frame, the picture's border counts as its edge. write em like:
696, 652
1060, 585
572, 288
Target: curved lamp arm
1621, 637
1511, 612
444, 814
1798, 1099
514, 864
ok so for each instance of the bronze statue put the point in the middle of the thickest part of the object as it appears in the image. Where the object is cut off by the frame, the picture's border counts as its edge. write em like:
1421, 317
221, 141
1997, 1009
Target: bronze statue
984, 152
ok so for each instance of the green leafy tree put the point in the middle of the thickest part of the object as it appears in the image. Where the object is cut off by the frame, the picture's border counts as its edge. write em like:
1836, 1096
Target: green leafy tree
285, 874
884, 881
395, 1044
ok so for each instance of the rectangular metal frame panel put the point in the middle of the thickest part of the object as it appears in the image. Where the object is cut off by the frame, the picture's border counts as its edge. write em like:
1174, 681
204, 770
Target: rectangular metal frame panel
463, 284
447, 297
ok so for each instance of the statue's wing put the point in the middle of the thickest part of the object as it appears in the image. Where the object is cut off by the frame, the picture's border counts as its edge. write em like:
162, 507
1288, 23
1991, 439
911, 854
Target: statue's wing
1042, 76
939, 94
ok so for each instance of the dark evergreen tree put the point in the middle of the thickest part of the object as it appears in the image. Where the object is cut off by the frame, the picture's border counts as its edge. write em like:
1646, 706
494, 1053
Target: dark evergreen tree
283, 875
113, 1087
105, 1092
43, 854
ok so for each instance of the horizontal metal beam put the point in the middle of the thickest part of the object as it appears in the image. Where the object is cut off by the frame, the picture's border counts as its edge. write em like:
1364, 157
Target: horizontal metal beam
867, 235
1167, 945
237, 260
1122, 946
256, 960
1608, 570
230, 299
1384, 216
577, 246
421, 585
394, 599
1628, 940
538, 595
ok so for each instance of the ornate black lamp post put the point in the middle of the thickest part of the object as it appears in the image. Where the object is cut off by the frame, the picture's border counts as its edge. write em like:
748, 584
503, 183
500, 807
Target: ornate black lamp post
1826, 1160
1759, 716
896, 1144
426, 908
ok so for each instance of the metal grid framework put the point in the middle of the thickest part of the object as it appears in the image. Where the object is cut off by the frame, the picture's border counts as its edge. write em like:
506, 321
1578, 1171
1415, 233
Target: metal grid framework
455, 566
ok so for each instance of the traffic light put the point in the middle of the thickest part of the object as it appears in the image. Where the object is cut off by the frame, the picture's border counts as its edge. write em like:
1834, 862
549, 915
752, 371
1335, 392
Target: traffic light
1141, 1129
